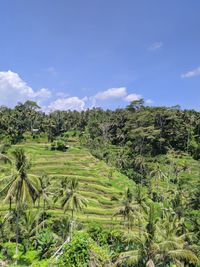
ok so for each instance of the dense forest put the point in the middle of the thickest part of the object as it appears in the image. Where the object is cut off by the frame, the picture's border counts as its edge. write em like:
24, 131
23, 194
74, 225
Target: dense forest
100, 187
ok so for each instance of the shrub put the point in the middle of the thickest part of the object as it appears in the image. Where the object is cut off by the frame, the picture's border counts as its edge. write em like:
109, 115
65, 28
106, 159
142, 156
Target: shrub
59, 144
9, 249
82, 251
45, 243
28, 258
42, 263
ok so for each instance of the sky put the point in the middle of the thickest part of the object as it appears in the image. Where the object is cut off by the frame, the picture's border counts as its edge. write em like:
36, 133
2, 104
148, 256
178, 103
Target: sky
78, 54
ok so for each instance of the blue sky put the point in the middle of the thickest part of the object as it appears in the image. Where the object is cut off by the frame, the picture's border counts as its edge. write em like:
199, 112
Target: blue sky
78, 54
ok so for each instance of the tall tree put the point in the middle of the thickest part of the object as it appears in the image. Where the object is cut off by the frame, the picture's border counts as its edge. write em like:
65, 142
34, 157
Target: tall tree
20, 185
72, 199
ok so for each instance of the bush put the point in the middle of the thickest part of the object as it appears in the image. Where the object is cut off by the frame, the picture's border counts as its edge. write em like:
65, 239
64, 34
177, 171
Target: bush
28, 258
4, 147
82, 251
194, 149
42, 263
45, 243
76, 253
8, 250
59, 144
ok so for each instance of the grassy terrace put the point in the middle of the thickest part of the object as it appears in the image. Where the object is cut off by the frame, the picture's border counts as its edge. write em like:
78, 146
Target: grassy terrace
103, 193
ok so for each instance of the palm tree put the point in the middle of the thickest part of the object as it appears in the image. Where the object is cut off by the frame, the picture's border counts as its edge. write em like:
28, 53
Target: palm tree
72, 199
61, 189
128, 209
20, 185
160, 244
172, 246
158, 175
45, 193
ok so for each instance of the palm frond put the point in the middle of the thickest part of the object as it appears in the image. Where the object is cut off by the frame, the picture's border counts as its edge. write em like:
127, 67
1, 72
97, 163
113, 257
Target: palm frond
183, 254
129, 258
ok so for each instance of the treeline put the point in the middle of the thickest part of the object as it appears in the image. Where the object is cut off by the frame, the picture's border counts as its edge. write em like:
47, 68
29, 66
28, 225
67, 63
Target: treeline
145, 130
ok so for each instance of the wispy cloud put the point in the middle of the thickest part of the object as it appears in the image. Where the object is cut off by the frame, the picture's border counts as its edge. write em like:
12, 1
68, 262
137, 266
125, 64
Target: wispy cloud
155, 46
51, 70
62, 94
191, 73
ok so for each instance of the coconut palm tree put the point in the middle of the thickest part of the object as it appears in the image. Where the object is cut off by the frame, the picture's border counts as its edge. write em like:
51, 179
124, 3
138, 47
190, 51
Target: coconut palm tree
160, 244
158, 175
172, 246
128, 209
20, 185
72, 199
44, 193
60, 190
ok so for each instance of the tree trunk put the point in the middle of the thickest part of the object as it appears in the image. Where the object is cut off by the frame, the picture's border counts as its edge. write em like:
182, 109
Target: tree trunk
17, 228
10, 204
72, 214
150, 263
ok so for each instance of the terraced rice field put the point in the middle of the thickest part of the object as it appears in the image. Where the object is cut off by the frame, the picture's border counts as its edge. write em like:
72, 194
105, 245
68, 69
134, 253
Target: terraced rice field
102, 192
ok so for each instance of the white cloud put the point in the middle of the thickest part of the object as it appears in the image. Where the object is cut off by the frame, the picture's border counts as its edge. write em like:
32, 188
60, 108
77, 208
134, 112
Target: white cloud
132, 97
13, 89
116, 93
192, 73
70, 103
149, 101
42, 94
111, 93
155, 46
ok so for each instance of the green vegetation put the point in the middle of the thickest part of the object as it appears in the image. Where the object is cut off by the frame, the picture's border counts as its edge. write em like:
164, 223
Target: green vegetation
100, 188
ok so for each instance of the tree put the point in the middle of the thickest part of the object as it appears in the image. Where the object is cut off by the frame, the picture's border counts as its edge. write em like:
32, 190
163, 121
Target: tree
136, 104
160, 244
128, 210
44, 193
195, 197
20, 185
158, 175
172, 246
72, 199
